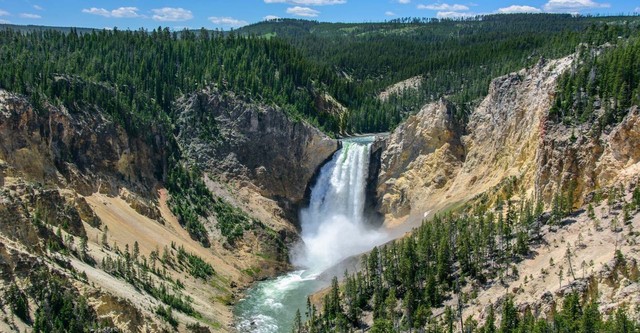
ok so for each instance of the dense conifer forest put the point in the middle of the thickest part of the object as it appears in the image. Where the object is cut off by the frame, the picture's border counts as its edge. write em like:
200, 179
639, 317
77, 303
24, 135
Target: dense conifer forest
602, 87
135, 75
456, 58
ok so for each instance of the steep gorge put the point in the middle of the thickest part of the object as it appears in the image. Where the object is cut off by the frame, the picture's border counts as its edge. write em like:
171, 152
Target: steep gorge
77, 189
431, 163
75, 176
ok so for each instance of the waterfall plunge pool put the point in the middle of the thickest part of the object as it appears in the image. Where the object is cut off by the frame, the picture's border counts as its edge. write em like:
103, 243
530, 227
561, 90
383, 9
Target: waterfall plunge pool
333, 228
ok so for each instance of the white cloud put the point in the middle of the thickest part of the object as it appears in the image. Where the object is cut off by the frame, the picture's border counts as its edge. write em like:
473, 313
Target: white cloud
4, 21
4, 13
389, 13
637, 9
444, 7
302, 11
170, 14
309, 2
404, 2
270, 17
125, 12
36, 7
453, 14
30, 16
97, 11
519, 9
228, 21
572, 5
122, 12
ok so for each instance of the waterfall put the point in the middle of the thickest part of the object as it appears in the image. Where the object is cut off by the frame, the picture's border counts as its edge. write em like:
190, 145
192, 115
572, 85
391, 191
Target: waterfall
334, 226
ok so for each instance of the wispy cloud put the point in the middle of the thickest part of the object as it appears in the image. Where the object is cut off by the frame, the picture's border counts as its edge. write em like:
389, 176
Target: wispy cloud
36, 7
572, 5
309, 2
453, 14
170, 14
444, 7
122, 12
518, 9
29, 16
637, 9
270, 17
389, 13
404, 2
228, 21
302, 11
4, 13
4, 21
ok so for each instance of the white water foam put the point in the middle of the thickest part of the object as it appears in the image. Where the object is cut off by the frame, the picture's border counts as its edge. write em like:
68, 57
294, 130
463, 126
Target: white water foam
334, 225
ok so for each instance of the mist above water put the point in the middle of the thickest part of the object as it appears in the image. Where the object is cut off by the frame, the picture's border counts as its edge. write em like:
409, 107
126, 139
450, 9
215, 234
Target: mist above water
334, 226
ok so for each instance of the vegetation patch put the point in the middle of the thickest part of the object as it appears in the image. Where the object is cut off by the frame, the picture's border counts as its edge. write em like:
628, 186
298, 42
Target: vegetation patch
232, 221
190, 201
605, 84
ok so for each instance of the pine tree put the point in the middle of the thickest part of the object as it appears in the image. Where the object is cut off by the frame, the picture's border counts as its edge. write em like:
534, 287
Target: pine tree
509, 322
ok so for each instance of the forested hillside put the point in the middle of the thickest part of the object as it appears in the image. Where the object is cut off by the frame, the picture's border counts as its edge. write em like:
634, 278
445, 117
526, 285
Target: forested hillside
423, 282
291, 63
136, 75
604, 85
456, 58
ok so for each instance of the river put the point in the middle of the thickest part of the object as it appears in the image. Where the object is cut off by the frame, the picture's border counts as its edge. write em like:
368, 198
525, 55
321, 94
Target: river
333, 227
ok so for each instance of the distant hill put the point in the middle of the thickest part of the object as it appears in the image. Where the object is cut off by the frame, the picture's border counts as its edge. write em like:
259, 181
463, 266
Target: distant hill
30, 28
457, 57
335, 71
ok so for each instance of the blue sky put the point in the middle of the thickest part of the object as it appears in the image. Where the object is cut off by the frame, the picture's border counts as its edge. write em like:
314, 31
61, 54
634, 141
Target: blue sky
227, 14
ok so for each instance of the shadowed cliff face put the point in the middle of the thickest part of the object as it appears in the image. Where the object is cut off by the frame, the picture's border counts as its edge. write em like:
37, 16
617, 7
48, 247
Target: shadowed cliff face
83, 150
255, 145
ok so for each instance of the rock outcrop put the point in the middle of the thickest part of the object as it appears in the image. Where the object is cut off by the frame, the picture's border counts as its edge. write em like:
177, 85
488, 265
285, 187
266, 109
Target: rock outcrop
420, 158
257, 145
430, 164
589, 159
84, 150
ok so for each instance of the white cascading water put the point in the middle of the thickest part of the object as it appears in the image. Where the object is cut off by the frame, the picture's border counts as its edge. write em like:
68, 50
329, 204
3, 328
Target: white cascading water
334, 227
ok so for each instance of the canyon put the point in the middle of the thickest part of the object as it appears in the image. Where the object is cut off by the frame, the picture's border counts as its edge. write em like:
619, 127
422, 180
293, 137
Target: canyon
205, 219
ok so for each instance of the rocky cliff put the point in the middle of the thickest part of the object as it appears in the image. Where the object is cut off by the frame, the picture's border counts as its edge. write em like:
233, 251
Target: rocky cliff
431, 164
587, 158
82, 202
255, 145
420, 158
83, 150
